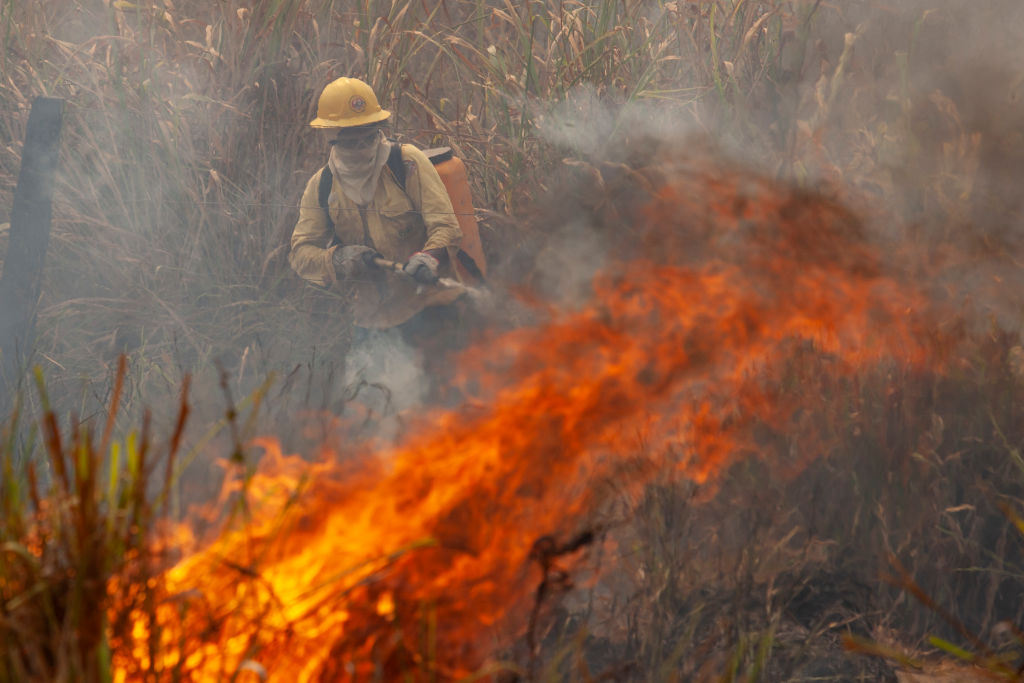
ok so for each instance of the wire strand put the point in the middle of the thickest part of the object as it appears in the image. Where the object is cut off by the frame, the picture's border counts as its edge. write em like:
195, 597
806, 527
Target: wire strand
274, 205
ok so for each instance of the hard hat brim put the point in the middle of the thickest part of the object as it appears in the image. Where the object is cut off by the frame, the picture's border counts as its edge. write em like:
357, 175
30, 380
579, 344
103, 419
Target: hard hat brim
351, 122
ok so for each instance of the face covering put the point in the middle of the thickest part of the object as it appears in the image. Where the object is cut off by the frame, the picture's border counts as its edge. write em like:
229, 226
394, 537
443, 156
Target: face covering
357, 170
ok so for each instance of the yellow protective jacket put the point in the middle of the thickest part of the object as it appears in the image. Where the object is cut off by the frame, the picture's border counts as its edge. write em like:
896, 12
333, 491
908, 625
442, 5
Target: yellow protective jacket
396, 223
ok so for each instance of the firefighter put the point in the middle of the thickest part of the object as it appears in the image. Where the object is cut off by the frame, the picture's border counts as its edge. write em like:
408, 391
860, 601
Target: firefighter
375, 200
379, 200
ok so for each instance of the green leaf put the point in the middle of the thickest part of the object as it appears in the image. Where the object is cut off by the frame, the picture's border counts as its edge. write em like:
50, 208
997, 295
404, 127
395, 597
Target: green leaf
952, 649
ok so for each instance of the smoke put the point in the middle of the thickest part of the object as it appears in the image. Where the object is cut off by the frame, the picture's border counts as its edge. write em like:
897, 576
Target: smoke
582, 124
913, 121
567, 265
386, 377
956, 173
908, 113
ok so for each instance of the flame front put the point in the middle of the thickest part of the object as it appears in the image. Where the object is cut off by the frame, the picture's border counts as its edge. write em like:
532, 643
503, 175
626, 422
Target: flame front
417, 559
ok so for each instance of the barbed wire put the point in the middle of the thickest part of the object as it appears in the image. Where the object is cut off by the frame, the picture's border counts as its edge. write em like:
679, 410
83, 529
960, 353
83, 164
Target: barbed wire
276, 205
268, 205
301, 125
344, 14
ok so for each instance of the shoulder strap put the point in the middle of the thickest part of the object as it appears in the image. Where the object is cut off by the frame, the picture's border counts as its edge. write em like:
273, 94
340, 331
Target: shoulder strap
396, 164
324, 193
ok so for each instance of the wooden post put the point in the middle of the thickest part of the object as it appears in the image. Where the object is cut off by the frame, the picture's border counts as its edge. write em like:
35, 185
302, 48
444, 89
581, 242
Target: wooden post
29, 236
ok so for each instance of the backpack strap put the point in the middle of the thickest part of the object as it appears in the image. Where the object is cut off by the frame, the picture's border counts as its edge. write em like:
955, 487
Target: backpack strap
323, 194
396, 164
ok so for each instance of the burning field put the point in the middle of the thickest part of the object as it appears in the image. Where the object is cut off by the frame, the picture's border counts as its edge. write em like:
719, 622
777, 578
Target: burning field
735, 319
745, 403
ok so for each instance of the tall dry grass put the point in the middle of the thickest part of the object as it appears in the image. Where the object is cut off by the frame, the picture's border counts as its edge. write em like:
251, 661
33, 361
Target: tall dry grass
186, 147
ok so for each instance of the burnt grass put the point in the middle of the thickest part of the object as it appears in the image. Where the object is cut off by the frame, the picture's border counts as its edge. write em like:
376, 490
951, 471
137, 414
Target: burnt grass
869, 550
893, 539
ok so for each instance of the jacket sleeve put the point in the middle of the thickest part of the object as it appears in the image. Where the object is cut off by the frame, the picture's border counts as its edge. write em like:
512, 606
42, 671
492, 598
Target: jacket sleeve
430, 198
309, 256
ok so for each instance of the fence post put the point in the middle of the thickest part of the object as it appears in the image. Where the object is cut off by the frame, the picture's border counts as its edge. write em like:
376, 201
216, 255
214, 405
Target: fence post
26, 249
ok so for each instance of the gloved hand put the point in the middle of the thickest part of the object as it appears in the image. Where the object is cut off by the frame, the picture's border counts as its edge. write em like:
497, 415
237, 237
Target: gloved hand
422, 267
354, 262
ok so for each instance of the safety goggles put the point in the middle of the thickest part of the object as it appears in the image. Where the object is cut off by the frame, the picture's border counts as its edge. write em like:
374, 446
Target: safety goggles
360, 141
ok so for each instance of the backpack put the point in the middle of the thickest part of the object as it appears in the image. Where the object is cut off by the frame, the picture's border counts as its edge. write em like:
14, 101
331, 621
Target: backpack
397, 165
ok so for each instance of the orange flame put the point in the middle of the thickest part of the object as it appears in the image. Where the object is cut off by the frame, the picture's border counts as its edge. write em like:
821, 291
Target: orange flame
416, 561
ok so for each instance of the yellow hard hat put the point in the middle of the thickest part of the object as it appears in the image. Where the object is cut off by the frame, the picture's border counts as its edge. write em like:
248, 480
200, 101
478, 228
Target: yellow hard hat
347, 102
